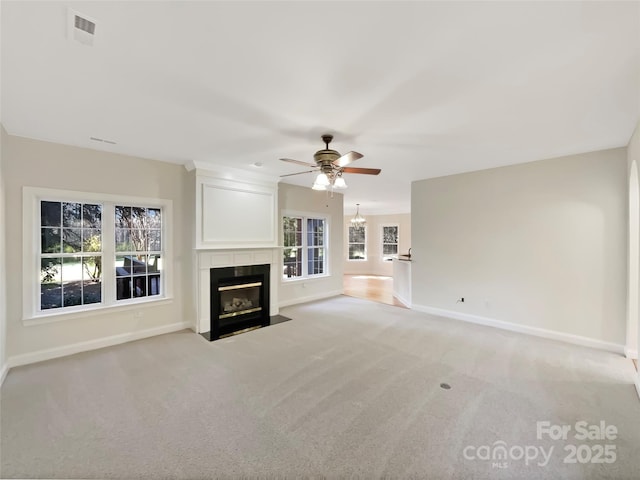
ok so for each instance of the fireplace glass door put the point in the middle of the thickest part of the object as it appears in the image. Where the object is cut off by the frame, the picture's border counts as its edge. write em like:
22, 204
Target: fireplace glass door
239, 299
236, 300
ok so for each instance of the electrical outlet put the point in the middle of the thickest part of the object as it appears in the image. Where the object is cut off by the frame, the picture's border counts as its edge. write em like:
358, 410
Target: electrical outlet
137, 314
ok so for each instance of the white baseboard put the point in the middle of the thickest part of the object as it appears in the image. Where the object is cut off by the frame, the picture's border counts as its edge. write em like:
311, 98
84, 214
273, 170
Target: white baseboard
402, 300
630, 353
3, 373
514, 327
311, 298
65, 350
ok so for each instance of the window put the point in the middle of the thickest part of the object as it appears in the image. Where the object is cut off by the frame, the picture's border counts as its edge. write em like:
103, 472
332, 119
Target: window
138, 253
305, 247
86, 251
292, 263
357, 243
389, 242
70, 254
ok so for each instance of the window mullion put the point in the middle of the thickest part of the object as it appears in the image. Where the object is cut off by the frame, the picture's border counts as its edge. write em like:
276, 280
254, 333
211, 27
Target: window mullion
108, 253
305, 270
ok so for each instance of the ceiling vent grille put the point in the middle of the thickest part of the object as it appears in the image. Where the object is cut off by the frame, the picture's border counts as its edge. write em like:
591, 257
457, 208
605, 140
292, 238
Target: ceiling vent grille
81, 28
85, 25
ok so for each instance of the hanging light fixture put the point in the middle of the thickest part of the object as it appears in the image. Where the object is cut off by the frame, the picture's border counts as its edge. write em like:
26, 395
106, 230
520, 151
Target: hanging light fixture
358, 221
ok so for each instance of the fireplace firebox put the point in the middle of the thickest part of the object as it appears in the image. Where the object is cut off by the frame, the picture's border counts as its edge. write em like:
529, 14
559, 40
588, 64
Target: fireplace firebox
239, 299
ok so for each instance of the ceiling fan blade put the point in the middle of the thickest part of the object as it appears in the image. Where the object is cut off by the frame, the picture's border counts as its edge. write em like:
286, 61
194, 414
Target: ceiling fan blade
299, 173
347, 158
298, 162
366, 171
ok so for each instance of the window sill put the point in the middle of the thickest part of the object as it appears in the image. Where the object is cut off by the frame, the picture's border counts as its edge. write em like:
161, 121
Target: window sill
356, 259
91, 312
303, 279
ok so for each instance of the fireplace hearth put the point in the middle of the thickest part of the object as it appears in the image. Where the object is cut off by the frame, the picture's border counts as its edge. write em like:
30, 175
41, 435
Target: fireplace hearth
239, 299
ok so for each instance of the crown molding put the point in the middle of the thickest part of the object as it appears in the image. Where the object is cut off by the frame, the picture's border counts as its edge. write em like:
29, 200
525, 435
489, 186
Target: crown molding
226, 172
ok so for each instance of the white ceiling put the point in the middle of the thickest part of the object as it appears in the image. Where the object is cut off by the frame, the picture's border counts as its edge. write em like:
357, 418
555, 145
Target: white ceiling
422, 89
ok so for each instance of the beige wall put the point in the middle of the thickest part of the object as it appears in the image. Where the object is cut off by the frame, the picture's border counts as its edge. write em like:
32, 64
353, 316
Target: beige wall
633, 155
541, 244
374, 265
301, 199
3, 292
42, 164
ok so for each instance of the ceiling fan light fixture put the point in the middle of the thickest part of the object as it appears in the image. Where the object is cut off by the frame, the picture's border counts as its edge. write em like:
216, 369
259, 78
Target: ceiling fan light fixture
322, 179
330, 165
339, 183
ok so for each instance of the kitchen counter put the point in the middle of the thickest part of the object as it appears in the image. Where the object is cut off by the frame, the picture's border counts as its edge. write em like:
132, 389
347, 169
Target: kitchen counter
402, 280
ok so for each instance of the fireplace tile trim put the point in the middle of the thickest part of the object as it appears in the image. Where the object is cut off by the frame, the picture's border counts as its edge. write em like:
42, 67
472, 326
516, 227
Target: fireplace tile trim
216, 258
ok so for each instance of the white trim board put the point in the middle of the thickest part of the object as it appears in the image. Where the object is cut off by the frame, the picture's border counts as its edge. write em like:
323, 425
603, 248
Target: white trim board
311, 298
65, 350
513, 327
630, 353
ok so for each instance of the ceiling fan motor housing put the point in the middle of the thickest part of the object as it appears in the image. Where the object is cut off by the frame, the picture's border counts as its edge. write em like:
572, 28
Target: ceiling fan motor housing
325, 158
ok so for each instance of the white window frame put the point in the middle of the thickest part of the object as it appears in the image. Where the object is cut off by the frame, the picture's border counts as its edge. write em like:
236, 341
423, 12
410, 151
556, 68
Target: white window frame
366, 234
382, 244
305, 273
32, 196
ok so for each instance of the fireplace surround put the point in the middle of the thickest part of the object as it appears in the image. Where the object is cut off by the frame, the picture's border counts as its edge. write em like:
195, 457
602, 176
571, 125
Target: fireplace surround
239, 299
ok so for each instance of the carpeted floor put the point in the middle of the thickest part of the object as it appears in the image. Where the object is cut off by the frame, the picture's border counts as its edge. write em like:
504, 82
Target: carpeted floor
346, 389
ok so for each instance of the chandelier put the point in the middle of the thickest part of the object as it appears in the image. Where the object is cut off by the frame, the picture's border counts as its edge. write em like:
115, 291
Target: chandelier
358, 221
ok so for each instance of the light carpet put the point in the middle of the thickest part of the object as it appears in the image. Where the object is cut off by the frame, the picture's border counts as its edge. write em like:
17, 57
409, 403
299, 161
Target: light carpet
347, 389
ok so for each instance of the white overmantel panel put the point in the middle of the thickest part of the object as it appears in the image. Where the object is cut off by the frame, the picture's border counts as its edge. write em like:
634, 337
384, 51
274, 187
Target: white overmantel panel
235, 209
218, 258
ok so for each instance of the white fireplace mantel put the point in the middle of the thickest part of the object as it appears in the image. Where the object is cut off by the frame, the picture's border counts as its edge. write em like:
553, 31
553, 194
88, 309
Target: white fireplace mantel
236, 224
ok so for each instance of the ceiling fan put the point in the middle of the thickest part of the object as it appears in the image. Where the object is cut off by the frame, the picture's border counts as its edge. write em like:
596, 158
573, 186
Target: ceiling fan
331, 166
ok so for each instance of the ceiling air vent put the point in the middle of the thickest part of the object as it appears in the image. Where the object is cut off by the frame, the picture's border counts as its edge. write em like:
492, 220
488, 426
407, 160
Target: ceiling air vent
85, 25
81, 28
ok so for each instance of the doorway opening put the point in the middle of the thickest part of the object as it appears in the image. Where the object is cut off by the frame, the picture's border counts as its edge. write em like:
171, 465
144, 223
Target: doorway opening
377, 288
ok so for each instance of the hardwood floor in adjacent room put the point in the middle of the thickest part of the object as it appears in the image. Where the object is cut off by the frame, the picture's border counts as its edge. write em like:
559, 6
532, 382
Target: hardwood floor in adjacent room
371, 287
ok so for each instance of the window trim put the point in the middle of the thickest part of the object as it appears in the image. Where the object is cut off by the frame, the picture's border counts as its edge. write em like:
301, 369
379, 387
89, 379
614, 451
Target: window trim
31, 198
305, 216
382, 244
366, 250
